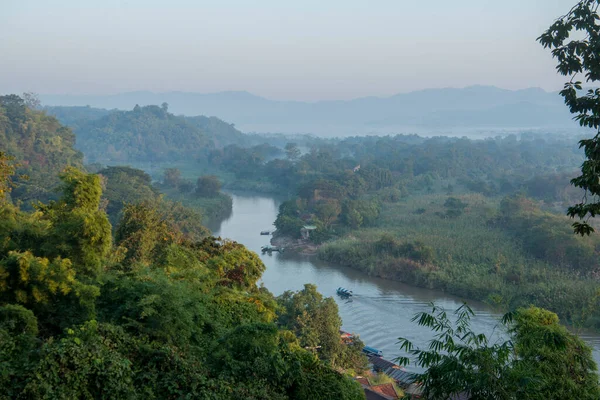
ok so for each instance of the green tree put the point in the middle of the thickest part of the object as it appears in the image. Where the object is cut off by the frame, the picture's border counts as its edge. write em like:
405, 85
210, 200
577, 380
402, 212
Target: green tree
316, 323
40, 145
7, 170
80, 230
82, 365
125, 185
541, 360
142, 233
576, 57
292, 151
18, 345
561, 361
328, 212
454, 207
237, 266
172, 177
208, 186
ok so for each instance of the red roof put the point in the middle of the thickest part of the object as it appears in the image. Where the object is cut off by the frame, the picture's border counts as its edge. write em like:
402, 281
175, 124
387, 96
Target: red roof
386, 389
363, 381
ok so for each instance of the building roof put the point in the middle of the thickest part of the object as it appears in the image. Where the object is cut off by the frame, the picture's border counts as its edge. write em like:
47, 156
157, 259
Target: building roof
381, 363
386, 389
310, 227
363, 381
372, 395
396, 372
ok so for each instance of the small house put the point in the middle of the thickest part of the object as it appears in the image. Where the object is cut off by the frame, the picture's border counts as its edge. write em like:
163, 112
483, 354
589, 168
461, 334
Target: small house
305, 231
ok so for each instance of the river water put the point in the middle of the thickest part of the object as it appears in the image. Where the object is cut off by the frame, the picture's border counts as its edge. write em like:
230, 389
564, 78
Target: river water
380, 310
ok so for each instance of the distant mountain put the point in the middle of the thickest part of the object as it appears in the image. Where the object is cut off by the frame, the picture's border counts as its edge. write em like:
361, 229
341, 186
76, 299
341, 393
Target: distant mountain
473, 107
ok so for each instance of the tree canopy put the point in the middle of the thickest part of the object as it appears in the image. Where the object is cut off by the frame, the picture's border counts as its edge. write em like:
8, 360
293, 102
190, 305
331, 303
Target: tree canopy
574, 39
540, 360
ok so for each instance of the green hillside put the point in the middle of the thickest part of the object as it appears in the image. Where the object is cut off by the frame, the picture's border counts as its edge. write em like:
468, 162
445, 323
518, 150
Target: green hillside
40, 145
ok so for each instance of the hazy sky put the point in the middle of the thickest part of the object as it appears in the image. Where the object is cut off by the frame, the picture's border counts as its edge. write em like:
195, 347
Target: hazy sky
280, 49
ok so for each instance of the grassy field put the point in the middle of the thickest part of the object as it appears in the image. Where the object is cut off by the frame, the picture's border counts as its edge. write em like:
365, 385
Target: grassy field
471, 258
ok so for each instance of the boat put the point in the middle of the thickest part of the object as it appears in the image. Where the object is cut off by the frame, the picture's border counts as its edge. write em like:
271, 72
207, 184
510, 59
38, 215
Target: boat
265, 232
372, 351
269, 248
344, 292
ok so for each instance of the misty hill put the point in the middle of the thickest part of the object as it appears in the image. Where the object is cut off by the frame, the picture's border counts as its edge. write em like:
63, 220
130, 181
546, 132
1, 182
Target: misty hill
145, 133
474, 107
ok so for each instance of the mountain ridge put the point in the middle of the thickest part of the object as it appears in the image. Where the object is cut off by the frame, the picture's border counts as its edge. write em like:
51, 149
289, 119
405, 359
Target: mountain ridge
479, 107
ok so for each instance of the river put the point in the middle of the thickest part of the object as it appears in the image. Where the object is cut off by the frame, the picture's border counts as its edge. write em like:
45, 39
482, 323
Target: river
380, 310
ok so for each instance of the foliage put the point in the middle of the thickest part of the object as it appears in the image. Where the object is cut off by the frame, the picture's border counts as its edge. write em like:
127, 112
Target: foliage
292, 151
81, 231
172, 177
454, 207
236, 267
208, 186
315, 321
125, 185
7, 170
40, 146
163, 312
145, 133
31, 280
561, 361
143, 232
511, 257
578, 57
542, 360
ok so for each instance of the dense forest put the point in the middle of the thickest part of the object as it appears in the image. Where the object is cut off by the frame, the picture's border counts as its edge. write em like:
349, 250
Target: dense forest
477, 218
110, 288
151, 307
41, 146
113, 287
149, 133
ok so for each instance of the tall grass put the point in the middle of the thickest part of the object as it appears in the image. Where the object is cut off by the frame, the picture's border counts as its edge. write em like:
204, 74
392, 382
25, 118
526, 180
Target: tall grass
472, 259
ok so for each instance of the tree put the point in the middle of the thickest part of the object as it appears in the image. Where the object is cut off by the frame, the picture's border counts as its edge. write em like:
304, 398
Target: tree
172, 177
454, 207
328, 211
561, 361
541, 360
32, 100
52, 289
80, 230
142, 231
577, 57
315, 321
237, 267
7, 169
208, 186
125, 185
41, 148
292, 151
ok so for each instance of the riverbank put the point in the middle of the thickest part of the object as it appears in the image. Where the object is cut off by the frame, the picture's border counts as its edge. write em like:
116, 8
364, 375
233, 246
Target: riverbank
381, 309
297, 246
573, 298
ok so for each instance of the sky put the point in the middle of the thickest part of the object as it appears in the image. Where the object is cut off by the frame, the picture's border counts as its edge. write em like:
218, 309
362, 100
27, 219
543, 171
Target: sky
279, 49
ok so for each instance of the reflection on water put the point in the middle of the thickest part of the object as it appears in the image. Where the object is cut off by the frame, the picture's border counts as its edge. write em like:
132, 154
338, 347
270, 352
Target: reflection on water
380, 311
